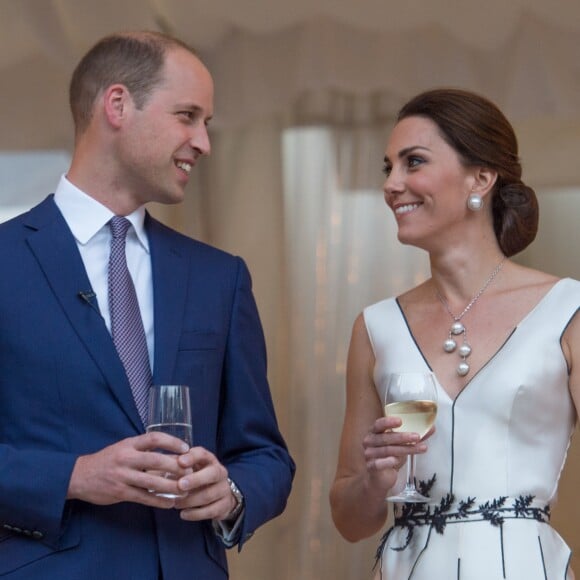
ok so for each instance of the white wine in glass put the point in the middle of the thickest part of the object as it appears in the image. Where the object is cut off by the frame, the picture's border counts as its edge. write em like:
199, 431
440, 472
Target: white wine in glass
412, 397
417, 416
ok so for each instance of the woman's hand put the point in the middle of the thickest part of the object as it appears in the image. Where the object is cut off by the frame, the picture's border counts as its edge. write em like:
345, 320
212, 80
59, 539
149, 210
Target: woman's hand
386, 450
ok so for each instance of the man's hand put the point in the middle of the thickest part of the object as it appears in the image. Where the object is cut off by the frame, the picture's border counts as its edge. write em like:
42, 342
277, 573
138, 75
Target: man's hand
208, 491
127, 470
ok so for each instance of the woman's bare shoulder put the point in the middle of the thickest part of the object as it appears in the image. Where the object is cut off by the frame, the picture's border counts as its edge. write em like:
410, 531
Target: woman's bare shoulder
417, 295
525, 278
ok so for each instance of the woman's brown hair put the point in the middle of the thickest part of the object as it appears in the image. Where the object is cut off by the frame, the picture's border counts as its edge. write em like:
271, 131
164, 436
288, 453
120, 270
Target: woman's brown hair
481, 135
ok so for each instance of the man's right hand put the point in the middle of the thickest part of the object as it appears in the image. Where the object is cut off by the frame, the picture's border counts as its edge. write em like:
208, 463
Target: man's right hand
127, 470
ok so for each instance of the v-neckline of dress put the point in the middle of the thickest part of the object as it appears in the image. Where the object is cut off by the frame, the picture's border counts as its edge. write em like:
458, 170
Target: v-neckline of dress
521, 323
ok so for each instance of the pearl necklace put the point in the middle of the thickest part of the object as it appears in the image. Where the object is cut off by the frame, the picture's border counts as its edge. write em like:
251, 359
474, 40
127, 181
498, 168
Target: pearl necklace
457, 327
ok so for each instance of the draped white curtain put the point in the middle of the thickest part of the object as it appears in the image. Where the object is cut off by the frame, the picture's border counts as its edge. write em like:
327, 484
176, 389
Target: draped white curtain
342, 254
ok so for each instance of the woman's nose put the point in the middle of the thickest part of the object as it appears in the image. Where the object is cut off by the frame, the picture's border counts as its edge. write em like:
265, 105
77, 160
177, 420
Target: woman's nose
393, 183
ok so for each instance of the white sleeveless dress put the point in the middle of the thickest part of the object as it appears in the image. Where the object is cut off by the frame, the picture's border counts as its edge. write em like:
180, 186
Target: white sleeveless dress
493, 464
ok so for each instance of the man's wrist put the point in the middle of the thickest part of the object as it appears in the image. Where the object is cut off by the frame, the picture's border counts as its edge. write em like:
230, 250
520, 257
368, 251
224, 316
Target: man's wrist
238, 498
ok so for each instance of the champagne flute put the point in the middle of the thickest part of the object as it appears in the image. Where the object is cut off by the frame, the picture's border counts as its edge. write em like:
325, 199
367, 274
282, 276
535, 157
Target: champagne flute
412, 397
170, 412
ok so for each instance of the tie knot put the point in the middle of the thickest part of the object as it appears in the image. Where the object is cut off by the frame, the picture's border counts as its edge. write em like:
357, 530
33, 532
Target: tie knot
119, 227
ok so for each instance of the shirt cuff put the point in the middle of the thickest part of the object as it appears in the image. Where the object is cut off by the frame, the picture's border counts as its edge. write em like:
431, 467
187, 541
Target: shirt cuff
229, 531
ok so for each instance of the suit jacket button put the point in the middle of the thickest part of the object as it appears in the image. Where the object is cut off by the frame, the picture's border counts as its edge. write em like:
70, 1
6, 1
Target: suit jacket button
37, 535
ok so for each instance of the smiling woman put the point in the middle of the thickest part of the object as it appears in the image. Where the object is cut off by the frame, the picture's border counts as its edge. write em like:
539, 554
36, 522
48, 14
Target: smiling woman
454, 184
27, 177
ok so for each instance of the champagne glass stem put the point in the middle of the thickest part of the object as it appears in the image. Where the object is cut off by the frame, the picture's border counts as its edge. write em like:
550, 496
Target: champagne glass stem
410, 485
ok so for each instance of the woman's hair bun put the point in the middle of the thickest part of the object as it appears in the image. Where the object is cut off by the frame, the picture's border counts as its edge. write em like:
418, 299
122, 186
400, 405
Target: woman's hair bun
515, 216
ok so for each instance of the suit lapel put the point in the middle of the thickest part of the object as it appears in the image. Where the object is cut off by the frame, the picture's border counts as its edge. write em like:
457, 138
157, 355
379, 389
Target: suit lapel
55, 249
170, 268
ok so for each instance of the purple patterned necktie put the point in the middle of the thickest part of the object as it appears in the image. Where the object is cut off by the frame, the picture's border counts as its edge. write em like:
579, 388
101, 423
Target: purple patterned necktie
126, 323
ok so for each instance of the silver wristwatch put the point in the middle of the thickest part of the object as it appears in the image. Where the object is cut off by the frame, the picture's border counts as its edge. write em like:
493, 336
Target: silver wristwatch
238, 496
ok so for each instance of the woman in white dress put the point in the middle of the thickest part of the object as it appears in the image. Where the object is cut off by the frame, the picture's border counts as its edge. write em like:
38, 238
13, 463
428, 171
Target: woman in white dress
506, 402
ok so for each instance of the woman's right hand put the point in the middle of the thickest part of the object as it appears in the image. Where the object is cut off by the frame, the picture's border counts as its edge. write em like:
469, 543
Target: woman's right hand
386, 450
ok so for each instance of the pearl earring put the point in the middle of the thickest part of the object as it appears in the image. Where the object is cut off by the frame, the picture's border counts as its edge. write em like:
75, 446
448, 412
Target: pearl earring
474, 202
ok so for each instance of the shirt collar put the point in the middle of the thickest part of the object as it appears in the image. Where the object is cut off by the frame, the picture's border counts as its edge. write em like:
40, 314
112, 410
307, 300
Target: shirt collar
86, 216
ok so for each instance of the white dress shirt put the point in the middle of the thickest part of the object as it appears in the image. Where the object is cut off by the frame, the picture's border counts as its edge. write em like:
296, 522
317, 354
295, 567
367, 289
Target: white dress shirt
87, 220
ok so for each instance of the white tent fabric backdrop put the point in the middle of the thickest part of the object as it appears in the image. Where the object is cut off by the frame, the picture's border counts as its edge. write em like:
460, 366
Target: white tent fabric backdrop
348, 63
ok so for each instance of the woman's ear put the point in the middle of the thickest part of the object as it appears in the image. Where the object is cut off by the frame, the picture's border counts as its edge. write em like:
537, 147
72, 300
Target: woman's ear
484, 180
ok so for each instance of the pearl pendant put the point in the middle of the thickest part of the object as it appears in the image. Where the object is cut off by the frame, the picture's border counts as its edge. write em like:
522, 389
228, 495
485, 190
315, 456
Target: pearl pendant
449, 345
457, 328
475, 203
462, 369
464, 350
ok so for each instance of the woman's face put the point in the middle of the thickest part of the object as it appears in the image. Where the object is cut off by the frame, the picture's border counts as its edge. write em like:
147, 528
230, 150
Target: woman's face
426, 184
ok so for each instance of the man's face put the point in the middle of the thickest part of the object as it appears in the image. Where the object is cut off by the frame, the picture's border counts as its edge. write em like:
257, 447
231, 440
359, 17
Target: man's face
160, 143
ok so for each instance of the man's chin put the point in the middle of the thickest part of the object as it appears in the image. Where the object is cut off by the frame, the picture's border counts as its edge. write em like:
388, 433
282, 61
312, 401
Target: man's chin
172, 198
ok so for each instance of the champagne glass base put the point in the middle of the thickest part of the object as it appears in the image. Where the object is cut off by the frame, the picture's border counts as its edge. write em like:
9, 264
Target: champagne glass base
408, 497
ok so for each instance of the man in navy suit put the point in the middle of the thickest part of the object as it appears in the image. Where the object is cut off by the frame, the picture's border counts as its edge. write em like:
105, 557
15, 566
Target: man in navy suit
76, 466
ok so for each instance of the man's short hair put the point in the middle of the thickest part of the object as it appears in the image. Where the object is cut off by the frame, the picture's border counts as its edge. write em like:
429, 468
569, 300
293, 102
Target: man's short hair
133, 59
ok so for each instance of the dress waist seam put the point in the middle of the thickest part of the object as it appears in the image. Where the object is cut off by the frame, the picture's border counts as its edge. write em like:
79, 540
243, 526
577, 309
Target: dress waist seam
449, 510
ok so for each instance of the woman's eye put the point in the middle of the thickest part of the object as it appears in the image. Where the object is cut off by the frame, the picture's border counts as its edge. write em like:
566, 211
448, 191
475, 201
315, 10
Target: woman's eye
413, 161
387, 169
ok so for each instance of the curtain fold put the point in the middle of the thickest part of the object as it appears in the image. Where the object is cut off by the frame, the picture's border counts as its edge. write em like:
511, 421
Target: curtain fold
342, 254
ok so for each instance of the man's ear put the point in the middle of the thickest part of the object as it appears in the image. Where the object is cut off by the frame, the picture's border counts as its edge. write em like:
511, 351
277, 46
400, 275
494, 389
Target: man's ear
116, 101
484, 179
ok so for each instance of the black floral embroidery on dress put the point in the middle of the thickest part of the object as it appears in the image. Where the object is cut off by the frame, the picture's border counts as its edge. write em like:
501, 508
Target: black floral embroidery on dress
424, 487
449, 511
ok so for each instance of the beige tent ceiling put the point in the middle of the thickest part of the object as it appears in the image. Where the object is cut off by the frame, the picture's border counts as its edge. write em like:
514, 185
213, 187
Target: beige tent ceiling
266, 55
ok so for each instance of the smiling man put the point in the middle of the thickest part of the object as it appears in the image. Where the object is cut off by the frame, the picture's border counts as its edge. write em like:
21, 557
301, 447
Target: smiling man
79, 348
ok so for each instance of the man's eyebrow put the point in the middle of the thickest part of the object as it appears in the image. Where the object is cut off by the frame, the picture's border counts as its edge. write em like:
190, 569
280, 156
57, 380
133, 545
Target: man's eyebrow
194, 109
188, 106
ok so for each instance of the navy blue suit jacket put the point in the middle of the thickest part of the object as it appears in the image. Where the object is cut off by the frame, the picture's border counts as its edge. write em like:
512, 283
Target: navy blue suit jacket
64, 393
